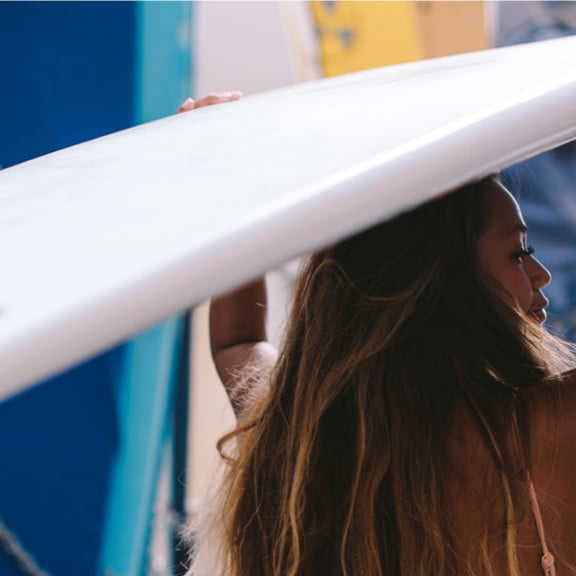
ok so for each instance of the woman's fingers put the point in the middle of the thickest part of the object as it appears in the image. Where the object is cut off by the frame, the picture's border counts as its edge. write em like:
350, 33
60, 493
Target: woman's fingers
220, 98
210, 100
188, 104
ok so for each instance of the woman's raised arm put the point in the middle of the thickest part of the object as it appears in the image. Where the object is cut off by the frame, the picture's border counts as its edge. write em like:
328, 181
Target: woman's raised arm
238, 339
238, 319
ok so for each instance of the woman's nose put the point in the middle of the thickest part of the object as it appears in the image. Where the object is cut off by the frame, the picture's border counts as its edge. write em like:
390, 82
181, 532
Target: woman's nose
539, 274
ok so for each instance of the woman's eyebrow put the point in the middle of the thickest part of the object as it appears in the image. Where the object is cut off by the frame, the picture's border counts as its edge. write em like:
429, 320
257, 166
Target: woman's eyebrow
519, 227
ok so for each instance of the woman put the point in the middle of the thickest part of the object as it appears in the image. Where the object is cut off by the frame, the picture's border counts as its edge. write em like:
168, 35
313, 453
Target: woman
415, 422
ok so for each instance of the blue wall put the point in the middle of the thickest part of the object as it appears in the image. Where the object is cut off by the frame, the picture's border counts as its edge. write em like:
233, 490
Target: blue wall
69, 72
66, 74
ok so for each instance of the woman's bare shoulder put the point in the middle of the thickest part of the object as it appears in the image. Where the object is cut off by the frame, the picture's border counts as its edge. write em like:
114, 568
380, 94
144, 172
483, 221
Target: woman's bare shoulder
553, 403
563, 408
557, 393
568, 378
552, 417
557, 396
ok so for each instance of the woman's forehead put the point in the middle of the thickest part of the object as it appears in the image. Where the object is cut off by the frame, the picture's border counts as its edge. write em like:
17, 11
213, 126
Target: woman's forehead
501, 209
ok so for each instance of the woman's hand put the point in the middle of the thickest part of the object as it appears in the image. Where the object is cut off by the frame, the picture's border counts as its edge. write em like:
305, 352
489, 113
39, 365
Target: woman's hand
210, 100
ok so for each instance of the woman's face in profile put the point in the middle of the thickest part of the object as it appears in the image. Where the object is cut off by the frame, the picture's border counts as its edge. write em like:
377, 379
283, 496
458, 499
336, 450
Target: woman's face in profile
506, 256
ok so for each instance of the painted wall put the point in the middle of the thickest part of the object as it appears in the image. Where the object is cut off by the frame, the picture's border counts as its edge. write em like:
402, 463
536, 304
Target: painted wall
69, 72
65, 78
358, 35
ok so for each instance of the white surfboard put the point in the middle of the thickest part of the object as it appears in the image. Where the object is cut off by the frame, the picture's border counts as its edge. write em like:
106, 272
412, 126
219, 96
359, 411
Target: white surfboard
104, 239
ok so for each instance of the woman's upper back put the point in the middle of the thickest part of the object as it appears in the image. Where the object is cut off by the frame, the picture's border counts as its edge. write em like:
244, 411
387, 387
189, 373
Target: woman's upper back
553, 470
476, 496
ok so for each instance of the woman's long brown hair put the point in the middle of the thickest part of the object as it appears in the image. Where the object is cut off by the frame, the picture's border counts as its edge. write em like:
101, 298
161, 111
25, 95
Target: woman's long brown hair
342, 467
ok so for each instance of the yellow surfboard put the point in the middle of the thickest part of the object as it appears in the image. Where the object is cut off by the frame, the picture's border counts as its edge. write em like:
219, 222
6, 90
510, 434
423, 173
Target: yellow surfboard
357, 35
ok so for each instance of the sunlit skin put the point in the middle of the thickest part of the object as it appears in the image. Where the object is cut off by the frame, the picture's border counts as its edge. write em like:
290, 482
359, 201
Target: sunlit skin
505, 254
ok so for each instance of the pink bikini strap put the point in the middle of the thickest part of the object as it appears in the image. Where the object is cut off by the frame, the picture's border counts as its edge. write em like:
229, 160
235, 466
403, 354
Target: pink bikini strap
547, 557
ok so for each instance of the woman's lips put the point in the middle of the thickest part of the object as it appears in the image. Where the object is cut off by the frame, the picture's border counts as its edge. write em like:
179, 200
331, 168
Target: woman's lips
540, 303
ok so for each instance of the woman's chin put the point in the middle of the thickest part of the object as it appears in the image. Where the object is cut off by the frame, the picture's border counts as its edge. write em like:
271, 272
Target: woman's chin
539, 315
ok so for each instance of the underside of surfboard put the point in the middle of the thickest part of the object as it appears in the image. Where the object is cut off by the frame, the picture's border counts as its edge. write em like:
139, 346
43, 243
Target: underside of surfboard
102, 240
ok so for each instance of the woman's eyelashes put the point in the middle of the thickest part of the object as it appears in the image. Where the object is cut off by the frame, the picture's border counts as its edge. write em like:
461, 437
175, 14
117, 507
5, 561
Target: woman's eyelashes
520, 255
